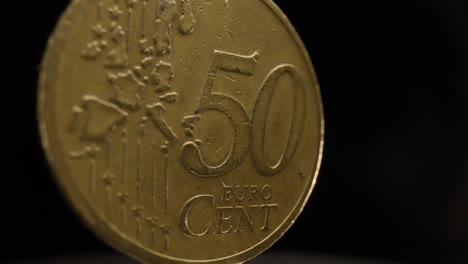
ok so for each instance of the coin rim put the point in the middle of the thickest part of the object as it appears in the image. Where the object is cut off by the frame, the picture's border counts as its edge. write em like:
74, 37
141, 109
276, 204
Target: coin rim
89, 216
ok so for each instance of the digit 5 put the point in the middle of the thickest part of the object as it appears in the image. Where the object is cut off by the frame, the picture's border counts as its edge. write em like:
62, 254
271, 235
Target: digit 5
191, 156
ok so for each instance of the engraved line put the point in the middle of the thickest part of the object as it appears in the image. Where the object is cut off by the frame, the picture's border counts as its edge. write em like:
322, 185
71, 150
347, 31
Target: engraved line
153, 223
109, 153
138, 185
158, 8
124, 214
99, 10
108, 198
124, 156
143, 18
153, 236
109, 146
138, 232
166, 237
138, 214
142, 133
153, 175
166, 177
123, 196
129, 26
93, 174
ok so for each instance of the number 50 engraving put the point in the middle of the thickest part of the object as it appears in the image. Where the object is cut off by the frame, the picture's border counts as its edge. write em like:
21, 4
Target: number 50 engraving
247, 132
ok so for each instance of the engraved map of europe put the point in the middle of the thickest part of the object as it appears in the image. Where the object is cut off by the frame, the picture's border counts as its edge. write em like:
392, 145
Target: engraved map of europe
97, 121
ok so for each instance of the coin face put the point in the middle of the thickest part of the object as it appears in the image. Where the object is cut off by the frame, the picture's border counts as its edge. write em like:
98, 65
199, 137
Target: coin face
186, 131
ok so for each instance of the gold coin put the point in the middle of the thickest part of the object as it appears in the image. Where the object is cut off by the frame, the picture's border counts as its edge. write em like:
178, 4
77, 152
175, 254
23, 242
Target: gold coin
186, 131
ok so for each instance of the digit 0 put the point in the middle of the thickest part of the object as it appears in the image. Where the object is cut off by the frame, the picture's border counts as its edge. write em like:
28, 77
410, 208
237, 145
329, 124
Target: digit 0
260, 115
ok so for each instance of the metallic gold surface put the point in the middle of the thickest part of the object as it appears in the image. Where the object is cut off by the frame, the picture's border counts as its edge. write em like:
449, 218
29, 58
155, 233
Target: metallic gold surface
181, 131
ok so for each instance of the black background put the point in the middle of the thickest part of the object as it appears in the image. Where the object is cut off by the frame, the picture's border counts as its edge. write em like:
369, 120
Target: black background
394, 180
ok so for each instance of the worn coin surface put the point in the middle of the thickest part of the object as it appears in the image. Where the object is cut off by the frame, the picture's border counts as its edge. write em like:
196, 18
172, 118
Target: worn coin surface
186, 131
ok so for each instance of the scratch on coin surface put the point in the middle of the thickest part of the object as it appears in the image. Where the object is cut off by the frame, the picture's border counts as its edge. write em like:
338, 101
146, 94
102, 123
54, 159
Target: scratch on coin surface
181, 60
230, 78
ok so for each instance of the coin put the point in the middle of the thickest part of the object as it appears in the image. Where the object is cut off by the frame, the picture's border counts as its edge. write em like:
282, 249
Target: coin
186, 131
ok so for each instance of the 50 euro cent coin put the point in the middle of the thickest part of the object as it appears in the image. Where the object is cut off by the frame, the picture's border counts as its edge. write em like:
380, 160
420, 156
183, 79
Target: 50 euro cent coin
181, 131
